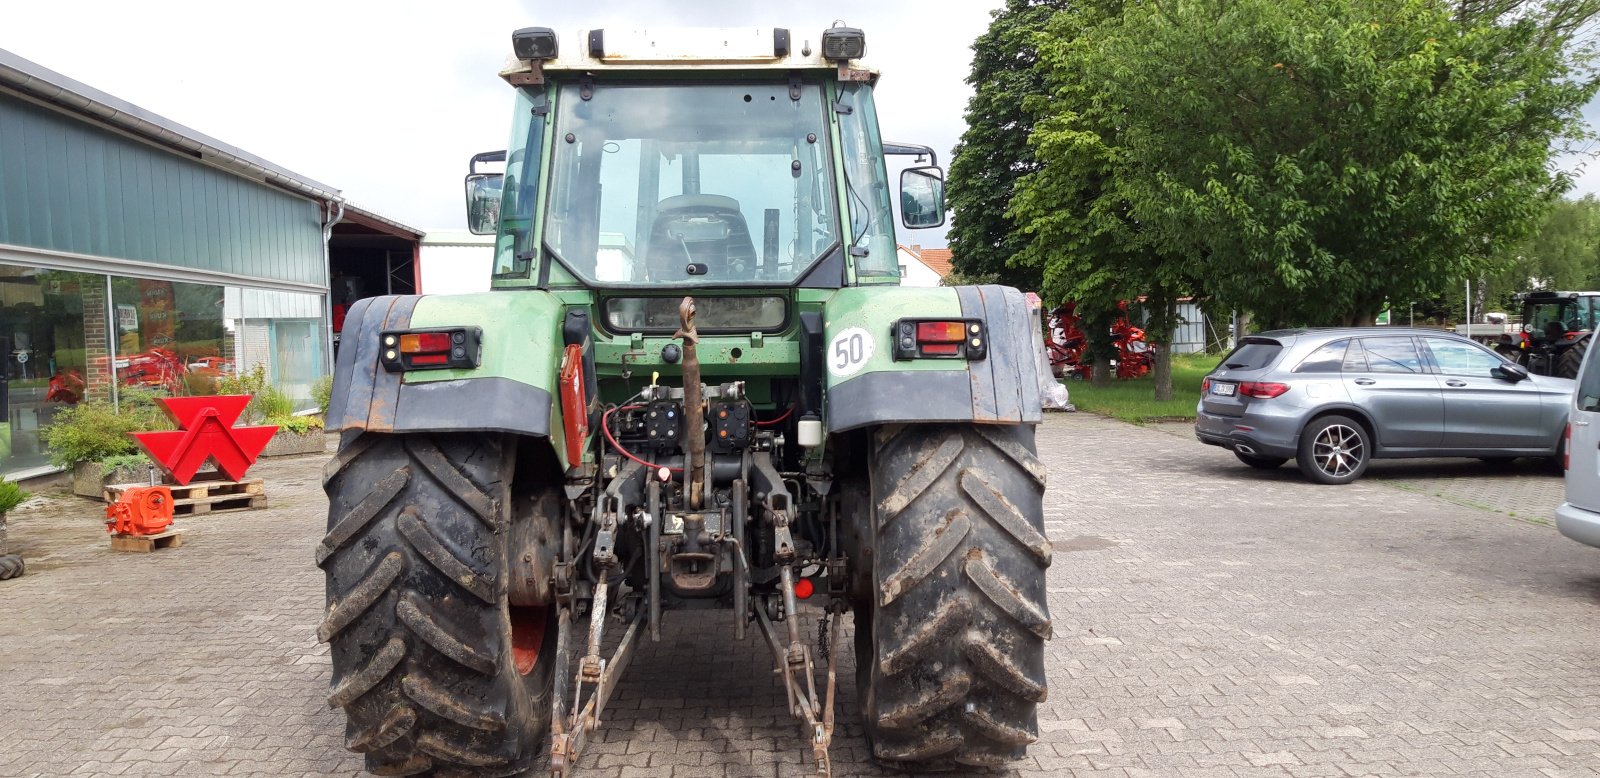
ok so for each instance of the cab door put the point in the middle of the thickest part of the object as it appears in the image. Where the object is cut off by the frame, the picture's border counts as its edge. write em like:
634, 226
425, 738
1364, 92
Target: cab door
1387, 376
1482, 411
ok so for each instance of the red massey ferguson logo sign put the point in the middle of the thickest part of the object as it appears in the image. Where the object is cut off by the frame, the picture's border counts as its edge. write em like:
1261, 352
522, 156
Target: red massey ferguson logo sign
205, 431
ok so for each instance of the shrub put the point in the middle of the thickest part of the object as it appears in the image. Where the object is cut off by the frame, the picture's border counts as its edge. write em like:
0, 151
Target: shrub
298, 425
135, 462
200, 384
322, 392
11, 495
138, 406
89, 432
273, 403
252, 382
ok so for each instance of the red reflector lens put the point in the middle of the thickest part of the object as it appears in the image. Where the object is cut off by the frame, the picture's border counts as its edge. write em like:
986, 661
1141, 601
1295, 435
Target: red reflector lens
803, 588
941, 349
430, 359
941, 332
1264, 390
424, 342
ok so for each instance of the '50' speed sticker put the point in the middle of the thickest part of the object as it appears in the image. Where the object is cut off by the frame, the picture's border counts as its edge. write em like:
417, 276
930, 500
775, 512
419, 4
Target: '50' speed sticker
849, 352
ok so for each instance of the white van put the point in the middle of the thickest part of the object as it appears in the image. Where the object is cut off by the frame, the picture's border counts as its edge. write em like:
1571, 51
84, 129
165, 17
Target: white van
1579, 517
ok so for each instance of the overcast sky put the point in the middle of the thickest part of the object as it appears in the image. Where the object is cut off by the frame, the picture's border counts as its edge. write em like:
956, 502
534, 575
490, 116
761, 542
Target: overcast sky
387, 100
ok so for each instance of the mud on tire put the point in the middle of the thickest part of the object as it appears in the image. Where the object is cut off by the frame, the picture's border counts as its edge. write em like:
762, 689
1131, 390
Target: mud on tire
436, 672
955, 662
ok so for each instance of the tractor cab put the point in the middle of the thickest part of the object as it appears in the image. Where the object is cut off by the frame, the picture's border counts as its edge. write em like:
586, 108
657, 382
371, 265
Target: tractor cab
1554, 325
662, 159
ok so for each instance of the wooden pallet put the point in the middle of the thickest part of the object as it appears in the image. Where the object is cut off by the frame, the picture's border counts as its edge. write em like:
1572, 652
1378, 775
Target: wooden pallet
144, 544
205, 497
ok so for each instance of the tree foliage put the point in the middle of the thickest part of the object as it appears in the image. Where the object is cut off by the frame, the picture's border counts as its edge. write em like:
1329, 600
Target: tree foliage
1302, 159
994, 152
1563, 253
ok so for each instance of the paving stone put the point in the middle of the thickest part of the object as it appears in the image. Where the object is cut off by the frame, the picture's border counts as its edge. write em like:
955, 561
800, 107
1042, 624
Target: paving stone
1211, 620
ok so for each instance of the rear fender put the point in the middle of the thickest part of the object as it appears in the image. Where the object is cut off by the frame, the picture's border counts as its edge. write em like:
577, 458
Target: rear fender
866, 386
510, 391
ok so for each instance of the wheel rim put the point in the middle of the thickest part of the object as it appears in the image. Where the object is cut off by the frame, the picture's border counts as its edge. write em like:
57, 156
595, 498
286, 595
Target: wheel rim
528, 626
1338, 450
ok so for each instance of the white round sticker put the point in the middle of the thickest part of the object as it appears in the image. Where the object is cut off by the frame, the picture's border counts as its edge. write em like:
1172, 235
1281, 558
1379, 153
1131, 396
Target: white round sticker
849, 352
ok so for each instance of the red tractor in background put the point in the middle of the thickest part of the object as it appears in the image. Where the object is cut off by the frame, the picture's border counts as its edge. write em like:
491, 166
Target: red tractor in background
1067, 343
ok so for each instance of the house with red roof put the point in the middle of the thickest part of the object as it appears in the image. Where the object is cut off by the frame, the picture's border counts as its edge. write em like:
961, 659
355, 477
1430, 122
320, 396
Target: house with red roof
923, 267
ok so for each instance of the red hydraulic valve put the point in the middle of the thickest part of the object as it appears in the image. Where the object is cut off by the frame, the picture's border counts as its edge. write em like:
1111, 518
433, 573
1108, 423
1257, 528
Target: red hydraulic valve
141, 510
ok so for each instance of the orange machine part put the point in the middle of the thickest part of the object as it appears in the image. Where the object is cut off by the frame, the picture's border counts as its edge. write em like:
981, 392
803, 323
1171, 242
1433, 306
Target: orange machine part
142, 510
574, 411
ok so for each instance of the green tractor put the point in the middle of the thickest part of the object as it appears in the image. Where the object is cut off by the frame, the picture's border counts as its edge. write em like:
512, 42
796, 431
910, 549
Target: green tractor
696, 383
1557, 328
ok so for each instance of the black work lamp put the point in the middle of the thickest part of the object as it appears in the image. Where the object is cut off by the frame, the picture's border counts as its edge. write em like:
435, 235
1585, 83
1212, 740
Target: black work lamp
534, 43
843, 43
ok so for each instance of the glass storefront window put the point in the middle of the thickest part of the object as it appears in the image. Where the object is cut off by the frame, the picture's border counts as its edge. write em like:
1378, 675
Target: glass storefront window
169, 336
282, 332
52, 354
67, 337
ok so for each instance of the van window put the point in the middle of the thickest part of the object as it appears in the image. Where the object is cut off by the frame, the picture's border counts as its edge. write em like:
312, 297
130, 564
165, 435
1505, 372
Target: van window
1588, 395
1327, 359
1252, 355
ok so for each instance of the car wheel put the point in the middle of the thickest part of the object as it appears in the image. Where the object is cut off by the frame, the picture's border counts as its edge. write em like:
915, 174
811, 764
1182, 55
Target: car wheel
1260, 462
1334, 450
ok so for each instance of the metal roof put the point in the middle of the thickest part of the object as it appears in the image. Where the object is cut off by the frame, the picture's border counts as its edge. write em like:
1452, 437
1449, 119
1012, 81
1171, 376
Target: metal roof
355, 213
36, 81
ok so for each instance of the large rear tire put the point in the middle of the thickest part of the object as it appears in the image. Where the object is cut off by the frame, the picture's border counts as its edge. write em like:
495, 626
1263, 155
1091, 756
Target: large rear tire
436, 671
960, 619
1572, 358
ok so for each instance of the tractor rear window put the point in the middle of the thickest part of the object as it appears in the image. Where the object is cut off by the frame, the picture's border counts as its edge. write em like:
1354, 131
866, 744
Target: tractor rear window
711, 314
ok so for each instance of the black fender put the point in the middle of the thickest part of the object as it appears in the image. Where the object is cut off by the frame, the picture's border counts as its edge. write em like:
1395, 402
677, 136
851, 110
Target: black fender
366, 397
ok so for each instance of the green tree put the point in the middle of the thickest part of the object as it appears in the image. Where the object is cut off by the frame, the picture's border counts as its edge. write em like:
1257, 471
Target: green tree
994, 153
1078, 224
1305, 160
1564, 253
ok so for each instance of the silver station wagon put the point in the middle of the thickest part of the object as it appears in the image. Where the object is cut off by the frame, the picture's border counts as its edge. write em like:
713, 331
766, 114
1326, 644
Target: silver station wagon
1335, 399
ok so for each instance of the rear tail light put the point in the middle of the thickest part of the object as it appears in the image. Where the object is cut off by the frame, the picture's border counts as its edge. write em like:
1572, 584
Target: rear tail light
1205, 385
1566, 448
430, 349
940, 339
1262, 390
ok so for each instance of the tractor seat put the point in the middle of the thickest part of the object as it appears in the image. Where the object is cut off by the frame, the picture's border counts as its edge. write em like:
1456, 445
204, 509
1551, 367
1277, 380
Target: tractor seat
699, 229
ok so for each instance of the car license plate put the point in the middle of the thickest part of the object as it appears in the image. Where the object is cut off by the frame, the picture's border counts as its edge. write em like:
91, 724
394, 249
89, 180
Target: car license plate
1224, 390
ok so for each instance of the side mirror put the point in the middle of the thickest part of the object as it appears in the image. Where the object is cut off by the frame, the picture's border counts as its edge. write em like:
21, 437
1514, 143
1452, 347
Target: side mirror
1509, 372
483, 192
483, 202
921, 197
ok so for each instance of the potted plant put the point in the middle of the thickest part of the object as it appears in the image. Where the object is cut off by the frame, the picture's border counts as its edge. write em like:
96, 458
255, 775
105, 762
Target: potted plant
11, 495
91, 439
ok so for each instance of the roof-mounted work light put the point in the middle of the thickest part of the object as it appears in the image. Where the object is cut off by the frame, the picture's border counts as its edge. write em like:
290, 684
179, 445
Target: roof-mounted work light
534, 43
843, 43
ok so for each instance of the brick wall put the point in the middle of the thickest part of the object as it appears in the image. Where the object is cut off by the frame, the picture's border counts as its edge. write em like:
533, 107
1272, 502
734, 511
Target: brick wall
96, 341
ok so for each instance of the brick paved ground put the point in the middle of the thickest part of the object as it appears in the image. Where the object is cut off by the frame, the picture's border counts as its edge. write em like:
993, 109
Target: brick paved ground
1210, 620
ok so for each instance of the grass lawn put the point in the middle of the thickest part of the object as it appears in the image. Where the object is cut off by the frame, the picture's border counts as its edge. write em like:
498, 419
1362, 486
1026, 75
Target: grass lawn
1134, 400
